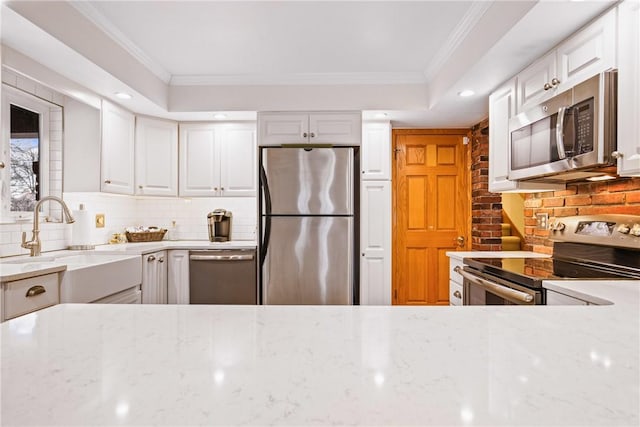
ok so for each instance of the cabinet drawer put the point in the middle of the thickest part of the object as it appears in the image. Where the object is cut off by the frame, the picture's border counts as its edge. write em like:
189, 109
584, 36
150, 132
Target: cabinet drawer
43, 291
455, 293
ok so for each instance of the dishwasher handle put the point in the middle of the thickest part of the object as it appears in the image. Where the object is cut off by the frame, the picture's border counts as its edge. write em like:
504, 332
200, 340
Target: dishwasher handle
247, 257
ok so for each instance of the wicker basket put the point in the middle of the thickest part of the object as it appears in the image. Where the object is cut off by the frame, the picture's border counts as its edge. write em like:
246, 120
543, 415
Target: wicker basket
145, 236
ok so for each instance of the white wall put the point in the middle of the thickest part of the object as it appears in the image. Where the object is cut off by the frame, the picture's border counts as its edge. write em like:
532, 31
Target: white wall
81, 147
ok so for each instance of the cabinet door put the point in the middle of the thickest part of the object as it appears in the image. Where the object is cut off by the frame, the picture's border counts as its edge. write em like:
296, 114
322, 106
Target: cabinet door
335, 128
154, 278
629, 88
117, 150
283, 128
238, 165
375, 243
375, 158
199, 164
163, 276
588, 52
532, 80
156, 157
178, 277
501, 109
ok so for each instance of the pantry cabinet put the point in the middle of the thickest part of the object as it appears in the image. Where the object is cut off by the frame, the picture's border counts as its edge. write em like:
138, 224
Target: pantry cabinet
117, 149
178, 277
502, 103
154, 278
586, 53
375, 158
629, 88
156, 157
339, 128
217, 160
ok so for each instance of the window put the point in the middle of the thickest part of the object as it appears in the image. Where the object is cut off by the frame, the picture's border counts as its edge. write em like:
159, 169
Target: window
25, 148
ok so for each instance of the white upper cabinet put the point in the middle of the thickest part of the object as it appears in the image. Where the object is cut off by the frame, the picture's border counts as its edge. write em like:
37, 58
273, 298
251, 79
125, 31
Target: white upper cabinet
199, 174
218, 160
502, 106
238, 160
156, 157
629, 88
375, 158
117, 149
586, 53
341, 128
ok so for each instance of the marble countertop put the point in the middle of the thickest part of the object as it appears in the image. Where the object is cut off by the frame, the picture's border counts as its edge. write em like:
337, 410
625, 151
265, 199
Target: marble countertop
321, 365
495, 254
147, 247
11, 272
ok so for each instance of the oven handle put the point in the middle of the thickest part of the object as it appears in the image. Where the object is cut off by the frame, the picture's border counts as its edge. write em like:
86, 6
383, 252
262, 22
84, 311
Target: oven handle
221, 257
499, 290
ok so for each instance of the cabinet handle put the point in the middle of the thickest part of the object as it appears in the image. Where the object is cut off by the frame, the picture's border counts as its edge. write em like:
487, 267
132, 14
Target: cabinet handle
215, 188
160, 259
555, 82
457, 294
151, 258
617, 155
107, 181
547, 86
35, 290
140, 187
304, 135
1, 165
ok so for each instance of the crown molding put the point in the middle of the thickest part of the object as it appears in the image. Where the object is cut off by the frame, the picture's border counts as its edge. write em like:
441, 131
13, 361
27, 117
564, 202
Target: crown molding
298, 79
475, 12
100, 21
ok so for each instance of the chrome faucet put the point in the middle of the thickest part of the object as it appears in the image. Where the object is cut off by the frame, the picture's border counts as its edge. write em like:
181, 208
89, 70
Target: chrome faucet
34, 244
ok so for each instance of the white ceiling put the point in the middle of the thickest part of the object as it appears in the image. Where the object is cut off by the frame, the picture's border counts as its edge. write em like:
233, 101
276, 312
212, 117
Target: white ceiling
186, 59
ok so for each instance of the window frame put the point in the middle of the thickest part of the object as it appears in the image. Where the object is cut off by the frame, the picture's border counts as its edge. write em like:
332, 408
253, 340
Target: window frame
13, 96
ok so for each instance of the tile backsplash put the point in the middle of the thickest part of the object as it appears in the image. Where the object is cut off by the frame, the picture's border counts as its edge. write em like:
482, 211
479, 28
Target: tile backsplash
189, 214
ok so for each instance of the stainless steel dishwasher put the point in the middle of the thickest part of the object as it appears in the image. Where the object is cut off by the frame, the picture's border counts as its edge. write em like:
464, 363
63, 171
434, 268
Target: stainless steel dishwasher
226, 276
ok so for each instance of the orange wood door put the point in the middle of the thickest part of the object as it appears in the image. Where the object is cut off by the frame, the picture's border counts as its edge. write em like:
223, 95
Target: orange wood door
431, 206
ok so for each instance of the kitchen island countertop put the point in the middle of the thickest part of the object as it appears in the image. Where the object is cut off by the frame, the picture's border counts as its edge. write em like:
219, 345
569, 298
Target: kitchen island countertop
319, 365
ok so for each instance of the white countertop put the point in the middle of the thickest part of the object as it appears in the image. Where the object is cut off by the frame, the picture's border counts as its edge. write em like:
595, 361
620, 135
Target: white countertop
310, 365
147, 247
495, 254
11, 272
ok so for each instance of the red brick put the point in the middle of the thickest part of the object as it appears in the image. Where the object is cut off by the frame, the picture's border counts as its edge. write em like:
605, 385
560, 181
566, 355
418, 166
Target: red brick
608, 209
608, 199
540, 233
581, 200
533, 203
553, 202
543, 250
568, 192
624, 185
559, 212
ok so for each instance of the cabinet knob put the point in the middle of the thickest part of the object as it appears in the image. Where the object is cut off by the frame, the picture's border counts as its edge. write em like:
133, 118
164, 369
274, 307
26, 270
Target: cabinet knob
617, 155
221, 188
151, 258
140, 187
107, 181
304, 134
457, 294
1, 165
547, 86
312, 135
161, 259
555, 82
215, 188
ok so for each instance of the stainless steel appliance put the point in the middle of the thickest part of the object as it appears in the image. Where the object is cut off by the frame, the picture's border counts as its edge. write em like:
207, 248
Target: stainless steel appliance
308, 223
585, 247
223, 277
219, 225
569, 136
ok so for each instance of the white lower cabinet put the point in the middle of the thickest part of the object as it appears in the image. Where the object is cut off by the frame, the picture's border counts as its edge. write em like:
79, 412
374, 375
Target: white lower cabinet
456, 288
154, 278
557, 298
128, 296
28, 295
178, 280
375, 243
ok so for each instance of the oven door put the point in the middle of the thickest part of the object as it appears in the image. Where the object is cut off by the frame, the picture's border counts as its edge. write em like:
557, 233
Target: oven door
489, 290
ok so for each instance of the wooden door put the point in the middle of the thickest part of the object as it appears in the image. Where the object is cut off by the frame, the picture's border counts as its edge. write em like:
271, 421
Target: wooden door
431, 211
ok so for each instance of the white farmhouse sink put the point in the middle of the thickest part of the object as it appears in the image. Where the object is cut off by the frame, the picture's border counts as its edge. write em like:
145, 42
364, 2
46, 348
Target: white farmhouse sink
90, 277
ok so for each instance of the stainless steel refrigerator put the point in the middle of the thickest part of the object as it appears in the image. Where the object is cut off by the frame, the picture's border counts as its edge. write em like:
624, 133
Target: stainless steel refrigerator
308, 224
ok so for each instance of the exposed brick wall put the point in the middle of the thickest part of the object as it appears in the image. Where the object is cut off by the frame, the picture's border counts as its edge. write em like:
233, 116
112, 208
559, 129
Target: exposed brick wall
486, 207
621, 196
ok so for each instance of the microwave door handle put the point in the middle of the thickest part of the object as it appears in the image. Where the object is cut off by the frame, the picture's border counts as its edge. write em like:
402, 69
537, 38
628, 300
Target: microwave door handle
560, 133
499, 290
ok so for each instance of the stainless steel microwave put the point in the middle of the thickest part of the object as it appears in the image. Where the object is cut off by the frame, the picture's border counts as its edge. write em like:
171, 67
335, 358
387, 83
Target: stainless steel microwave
568, 136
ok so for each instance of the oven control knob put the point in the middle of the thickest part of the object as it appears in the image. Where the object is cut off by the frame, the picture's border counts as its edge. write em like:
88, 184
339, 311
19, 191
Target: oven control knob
623, 228
635, 230
557, 226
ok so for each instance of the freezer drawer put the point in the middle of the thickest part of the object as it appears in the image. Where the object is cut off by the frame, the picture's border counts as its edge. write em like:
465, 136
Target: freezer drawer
309, 260
311, 181
223, 277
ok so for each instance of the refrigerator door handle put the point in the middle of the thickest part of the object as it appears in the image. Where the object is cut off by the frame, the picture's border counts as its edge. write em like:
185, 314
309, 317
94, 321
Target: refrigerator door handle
264, 183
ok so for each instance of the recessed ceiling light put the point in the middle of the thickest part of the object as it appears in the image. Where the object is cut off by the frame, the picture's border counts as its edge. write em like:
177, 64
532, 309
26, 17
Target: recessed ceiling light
381, 115
466, 92
123, 95
601, 178
219, 116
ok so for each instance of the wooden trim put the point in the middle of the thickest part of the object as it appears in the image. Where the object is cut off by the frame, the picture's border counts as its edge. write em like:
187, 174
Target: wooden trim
430, 132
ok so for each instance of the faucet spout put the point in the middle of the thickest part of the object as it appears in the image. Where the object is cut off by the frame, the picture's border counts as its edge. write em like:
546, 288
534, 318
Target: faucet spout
34, 245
